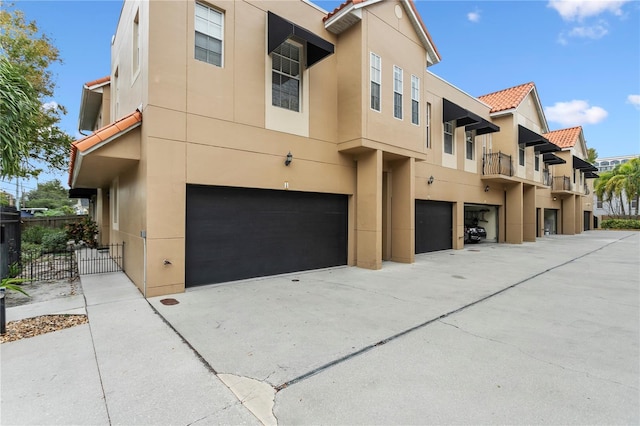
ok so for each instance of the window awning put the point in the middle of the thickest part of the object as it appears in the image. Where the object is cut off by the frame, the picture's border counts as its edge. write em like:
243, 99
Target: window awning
547, 147
483, 127
580, 164
82, 192
591, 175
453, 112
280, 30
528, 137
552, 159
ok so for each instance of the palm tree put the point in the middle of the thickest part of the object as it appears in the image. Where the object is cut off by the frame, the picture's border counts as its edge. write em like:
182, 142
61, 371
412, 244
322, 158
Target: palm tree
620, 184
631, 171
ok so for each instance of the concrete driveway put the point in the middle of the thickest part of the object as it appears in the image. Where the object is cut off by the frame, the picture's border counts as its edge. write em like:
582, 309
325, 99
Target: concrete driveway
544, 332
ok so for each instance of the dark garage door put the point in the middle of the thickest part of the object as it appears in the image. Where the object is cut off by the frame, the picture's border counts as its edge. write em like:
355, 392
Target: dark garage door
237, 233
434, 226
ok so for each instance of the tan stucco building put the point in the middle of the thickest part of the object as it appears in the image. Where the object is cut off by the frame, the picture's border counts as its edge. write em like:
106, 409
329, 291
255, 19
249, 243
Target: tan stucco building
236, 139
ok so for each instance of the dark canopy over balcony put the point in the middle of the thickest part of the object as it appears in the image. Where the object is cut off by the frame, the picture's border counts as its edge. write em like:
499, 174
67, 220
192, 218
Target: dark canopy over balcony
552, 159
580, 164
280, 30
462, 117
547, 147
528, 137
483, 127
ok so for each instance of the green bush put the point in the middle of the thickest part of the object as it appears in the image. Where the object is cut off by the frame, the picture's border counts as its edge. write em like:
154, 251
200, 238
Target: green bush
34, 234
620, 224
54, 242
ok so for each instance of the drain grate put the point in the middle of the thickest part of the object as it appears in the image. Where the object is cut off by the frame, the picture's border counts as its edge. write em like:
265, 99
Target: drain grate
169, 302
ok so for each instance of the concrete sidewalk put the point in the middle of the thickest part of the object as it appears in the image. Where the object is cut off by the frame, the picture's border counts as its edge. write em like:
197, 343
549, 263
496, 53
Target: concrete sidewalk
125, 367
538, 333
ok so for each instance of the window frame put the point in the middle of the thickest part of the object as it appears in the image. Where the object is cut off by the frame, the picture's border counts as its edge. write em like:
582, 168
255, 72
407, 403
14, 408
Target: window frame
398, 82
136, 50
469, 145
415, 100
452, 137
210, 35
280, 72
522, 157
375, 78
536, 164
428, 124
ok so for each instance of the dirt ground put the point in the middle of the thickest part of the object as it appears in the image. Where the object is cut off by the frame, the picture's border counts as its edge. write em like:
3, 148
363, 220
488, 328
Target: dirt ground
42, 291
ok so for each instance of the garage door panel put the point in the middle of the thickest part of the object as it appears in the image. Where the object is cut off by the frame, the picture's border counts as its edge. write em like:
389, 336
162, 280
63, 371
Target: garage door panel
237, 233
434, 226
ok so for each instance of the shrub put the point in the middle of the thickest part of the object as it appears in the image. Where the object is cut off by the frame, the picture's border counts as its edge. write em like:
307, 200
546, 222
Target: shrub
34, 234
85, 230
620, 224
54, 242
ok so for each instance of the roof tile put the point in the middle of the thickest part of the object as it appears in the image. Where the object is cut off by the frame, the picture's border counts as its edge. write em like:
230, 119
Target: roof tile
564, 138
98, 81
508, 98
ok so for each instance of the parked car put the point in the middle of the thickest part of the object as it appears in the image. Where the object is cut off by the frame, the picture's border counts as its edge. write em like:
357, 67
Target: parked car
474, 233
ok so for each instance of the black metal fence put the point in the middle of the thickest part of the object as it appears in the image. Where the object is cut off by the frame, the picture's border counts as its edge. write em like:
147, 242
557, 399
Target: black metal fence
561, 183
497, 163
42, 266
9, 238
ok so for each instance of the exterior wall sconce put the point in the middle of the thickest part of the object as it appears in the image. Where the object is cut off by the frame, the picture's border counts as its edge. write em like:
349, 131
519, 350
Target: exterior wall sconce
554, 198
486, 188
430, 180
289, 159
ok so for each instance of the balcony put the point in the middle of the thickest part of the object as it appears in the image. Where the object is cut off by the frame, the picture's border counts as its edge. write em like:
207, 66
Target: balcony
586, 189
547, 179
497, 164
561, 183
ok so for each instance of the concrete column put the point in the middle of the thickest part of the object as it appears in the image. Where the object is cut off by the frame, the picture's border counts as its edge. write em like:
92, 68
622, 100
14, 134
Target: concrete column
529, 213
103, 215
369, 211
458, 226
514, 214
540, 215
579, 216
569, 215
403, 232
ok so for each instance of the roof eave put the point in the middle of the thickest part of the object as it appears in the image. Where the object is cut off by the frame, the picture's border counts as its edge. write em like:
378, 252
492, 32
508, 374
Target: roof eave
433, 56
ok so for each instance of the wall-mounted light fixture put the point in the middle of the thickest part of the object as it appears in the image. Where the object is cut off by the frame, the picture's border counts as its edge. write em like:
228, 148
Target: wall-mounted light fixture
289, 159
486, 188
554, 198
430, 180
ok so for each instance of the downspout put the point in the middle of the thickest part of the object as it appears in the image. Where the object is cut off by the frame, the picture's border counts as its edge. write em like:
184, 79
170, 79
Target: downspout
143, 234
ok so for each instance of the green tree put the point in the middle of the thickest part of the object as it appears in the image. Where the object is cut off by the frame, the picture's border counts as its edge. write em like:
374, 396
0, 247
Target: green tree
40, 140
592, 155
51, 195
621, 184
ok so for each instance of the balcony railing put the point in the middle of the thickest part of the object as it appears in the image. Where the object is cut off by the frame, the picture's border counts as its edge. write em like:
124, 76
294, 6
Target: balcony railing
497, 163
547, 179
561, 183
586, 189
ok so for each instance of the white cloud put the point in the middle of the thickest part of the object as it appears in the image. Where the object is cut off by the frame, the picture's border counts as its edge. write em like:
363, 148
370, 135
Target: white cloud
47, 106
474, 16
575, 113
594, 32
571, 10
634, 100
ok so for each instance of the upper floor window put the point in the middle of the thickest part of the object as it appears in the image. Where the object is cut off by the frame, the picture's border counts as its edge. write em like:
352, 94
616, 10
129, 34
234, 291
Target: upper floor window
397, 92
521, 154
428, 125
415, 100
537, 162
136, 43
376, 75
285, 76
599, 203
448, 128
469, 145
209, 34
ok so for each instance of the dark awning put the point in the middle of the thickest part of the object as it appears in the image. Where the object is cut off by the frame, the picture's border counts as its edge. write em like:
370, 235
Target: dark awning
528, 137
580, 164
552, 159
483, 127
453, 112
280, 30
547, 147
82, 192
591, 175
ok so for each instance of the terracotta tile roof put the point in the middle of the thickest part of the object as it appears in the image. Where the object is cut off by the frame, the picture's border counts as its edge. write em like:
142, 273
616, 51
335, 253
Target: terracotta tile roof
564, 138
508, 98
98, 81
411, 3
107, 132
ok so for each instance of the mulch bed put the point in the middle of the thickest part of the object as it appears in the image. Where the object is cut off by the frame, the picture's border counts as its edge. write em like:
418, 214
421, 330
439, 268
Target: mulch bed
31, 327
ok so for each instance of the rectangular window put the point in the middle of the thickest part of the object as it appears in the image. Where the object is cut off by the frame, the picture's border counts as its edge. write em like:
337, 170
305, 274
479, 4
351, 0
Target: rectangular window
428, 125
285, 76
397, 92
470, 145
537, 159
449, 128
415, 100
376, 75
136, 43
209, 34
521, 155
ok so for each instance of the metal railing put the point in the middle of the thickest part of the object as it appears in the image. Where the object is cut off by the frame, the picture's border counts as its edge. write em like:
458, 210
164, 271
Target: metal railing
99, 260
547, 178
561, 183
497, 163
587, 191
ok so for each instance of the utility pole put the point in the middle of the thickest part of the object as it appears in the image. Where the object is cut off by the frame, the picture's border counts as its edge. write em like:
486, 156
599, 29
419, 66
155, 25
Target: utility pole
18, 193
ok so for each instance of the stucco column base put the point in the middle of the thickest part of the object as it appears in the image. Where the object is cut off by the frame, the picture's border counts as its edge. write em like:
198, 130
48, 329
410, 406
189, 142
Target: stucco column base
514, 214
529, 213
569, 215
403, 232
369, 211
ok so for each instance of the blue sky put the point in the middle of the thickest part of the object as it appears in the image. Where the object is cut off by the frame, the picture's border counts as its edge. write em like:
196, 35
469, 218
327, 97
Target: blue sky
583, 56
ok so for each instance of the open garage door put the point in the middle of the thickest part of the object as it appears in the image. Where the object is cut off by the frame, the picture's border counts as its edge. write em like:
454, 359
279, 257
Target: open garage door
434, 226
238, 233
485, 216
